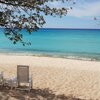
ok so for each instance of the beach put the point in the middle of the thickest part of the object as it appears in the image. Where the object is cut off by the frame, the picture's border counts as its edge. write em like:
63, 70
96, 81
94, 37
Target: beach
75, 78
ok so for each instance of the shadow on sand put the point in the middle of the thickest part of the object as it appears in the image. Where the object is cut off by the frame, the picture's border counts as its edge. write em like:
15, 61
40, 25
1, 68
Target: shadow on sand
34, 94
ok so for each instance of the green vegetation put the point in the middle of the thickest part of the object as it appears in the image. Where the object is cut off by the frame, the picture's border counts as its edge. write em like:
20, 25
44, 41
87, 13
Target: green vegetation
28, 14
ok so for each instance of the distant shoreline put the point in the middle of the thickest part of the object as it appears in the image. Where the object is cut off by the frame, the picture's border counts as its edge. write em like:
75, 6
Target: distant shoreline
51, 56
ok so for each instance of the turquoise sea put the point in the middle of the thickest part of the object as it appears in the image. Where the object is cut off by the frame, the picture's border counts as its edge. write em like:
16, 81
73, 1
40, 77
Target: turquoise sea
81, 44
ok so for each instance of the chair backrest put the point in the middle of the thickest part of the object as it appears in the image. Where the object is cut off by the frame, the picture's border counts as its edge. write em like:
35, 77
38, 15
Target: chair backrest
22, 74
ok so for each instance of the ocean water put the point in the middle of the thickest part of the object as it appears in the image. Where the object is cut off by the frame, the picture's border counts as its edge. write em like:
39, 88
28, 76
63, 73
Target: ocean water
81, 44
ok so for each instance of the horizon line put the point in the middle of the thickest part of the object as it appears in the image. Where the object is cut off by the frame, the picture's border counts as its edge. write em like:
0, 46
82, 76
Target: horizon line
74, 28
67, 28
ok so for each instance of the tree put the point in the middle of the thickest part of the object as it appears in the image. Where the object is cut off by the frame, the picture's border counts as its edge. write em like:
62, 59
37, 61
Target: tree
28, 14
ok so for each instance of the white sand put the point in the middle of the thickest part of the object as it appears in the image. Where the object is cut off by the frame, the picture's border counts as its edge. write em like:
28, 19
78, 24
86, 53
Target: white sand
64, 76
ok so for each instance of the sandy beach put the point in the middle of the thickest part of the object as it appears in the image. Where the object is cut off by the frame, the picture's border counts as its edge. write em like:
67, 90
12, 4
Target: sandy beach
63, 76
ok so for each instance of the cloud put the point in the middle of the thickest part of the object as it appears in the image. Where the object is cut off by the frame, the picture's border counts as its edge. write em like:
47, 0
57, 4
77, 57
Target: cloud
86, 9
82, 8
60, 4
54, 4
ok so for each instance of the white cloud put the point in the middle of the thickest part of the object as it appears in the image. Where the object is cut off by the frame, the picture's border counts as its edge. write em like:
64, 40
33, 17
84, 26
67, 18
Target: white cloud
83, 8
54, 4
60, 4
89, 9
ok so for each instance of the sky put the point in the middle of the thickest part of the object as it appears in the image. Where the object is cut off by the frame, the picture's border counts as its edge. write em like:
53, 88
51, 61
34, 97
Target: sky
81, 16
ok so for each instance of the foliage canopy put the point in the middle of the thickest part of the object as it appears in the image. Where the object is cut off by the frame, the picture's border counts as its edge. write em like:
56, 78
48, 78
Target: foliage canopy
28, 14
